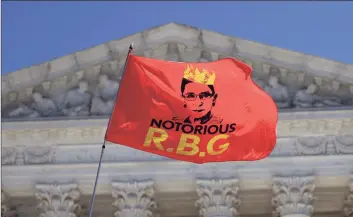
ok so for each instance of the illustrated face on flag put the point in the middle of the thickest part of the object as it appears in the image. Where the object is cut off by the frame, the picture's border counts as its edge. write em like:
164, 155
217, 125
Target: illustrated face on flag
199, 95
196, 112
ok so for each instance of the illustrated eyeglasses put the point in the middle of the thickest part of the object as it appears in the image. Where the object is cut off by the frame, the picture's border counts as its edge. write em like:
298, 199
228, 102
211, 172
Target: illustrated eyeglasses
201, 96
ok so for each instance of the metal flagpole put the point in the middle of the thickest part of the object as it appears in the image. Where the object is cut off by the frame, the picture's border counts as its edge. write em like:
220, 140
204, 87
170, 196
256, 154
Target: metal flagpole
103, 146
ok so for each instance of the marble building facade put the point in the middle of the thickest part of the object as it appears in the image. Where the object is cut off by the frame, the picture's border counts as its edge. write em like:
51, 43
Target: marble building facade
54, 117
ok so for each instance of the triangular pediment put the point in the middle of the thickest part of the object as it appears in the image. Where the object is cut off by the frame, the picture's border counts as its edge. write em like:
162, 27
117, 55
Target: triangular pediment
304, 81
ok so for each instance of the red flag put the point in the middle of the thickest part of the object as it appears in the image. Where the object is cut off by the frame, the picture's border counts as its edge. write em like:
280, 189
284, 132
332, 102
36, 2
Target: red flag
196, 112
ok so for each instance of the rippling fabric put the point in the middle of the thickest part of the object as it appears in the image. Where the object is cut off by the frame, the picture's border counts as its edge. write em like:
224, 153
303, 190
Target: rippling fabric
195, 112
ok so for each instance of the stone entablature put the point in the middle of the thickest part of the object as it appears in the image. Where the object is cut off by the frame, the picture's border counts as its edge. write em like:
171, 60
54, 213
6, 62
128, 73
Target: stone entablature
215, 195
79, 141
174, 176
91, 131
90, 153
85, 83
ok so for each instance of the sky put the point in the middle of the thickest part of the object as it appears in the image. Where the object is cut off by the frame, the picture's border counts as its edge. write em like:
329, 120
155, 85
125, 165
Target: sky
35, 32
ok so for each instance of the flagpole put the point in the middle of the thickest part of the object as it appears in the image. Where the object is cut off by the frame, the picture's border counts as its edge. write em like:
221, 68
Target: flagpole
103, 146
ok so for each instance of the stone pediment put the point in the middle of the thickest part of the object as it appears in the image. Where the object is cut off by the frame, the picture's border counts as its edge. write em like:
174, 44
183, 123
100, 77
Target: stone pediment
85, 83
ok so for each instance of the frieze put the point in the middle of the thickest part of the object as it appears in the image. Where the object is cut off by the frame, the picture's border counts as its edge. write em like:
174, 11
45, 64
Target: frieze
28, 155
314, 145
323, 126
50, 136
92, 131
64, 154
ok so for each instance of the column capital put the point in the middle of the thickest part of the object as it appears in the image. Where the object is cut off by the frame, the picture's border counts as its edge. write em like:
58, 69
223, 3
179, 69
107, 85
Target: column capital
217, 197
134, 199
58, 200
6, 208
293, 195
348, 203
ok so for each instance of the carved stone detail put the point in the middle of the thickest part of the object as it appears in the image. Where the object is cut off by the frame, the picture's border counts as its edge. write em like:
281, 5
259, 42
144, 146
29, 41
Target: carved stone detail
134, 199
53, 135
348, 203
27, 155
39, 155
290, 97
307, 98
344, 144
85, 100
324, 145
104, 99
75, 102
311, 145
7, 210
199, 47
293, 196
46, 151
278, 92
4, 200
319, 126
41, 107
8, 156
217, 197
57, 154
58, 200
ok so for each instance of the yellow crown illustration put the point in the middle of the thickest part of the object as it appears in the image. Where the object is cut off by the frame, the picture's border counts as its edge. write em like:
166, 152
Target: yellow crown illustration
202, 77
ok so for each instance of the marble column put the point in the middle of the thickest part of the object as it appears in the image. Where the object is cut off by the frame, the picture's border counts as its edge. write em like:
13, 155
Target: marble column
7, 210
134, 199
217, 197
58, 200
348, 203
293, 196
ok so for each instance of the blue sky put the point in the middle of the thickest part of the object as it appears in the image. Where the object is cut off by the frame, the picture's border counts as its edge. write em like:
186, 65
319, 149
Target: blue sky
35, 32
